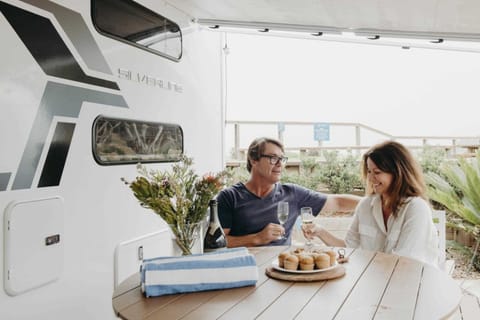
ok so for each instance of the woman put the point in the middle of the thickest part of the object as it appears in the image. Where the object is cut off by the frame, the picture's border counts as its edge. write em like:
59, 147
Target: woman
395, 216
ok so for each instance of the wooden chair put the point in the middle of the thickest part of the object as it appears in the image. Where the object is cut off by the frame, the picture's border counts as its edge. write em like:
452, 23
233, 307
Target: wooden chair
439, 220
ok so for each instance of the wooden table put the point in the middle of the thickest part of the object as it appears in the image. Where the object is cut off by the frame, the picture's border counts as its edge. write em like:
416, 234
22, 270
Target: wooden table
375, 286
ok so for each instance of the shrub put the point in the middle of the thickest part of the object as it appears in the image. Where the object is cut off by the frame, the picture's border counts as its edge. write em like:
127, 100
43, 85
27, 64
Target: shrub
307, 180
340, 174
237, 174
431, 159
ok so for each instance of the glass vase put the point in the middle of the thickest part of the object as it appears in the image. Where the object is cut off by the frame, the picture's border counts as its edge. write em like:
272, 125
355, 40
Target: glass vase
186, 235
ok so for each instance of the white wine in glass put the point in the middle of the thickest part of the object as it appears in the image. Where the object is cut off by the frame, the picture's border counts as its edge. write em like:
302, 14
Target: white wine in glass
307, 219
282, 214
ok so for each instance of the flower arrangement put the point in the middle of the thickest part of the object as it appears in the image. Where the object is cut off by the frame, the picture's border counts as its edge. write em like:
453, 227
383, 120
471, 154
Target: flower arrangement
179, 197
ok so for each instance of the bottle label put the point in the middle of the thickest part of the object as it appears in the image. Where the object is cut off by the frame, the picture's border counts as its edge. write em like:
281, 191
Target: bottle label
215, 239
213, 228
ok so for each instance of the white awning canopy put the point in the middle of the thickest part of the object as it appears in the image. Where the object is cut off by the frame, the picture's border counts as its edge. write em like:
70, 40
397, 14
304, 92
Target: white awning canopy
436, 20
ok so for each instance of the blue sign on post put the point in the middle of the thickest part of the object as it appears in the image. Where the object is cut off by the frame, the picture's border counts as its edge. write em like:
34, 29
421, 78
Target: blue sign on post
321, 132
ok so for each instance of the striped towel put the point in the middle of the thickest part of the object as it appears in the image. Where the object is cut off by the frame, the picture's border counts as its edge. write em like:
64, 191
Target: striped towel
223, 269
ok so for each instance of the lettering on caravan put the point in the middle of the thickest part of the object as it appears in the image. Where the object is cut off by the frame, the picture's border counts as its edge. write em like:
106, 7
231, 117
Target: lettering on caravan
149, 80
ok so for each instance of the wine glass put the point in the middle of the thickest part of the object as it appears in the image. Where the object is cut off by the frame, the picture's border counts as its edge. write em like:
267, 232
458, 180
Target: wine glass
282, 214
307, 220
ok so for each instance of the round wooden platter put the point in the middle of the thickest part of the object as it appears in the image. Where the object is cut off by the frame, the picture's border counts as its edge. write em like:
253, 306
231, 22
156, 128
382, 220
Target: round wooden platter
337, 272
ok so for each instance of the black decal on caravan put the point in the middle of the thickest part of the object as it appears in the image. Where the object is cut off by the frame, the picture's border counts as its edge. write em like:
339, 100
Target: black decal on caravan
77, 31
48, 49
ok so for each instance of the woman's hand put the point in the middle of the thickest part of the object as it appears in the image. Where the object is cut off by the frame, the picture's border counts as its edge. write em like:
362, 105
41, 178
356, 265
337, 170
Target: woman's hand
310, 230
316, 230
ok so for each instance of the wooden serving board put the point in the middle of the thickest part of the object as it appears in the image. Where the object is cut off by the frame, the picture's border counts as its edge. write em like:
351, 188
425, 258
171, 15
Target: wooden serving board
306, 277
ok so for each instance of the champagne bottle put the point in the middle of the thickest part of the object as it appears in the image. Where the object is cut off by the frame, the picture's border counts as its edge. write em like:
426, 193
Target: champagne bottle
215, 237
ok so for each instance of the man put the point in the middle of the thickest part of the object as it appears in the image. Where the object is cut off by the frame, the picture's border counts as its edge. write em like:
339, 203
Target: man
248, 212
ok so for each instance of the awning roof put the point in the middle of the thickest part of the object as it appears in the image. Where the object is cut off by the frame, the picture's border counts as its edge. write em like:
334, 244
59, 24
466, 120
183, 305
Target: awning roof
432, 19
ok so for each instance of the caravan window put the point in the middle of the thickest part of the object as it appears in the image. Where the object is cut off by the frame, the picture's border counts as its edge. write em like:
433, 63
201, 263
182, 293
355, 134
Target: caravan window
132, 23
119, 141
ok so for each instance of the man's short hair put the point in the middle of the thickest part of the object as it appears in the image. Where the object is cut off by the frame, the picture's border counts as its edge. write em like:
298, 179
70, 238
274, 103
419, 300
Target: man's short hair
257, 147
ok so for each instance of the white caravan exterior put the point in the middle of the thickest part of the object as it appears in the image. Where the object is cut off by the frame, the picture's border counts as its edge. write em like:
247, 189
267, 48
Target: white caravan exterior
89, 209
71, 230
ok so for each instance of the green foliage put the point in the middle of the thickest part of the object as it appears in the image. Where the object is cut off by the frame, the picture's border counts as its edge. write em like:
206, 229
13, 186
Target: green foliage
237, 174
179, 197
309, 165
340, 174
310, 180
431, 159
456, 187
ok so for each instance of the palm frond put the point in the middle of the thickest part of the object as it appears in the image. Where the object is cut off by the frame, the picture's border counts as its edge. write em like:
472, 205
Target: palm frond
457, 188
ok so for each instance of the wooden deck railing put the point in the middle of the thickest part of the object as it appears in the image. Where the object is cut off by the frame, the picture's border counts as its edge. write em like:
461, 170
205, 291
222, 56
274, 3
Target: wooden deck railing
453, 145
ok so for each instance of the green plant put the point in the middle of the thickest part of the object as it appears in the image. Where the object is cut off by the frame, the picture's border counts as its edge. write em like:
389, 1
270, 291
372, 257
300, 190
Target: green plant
308, 165
340, 174
310, 181
237, 174
455, 187
431, 159
180, 197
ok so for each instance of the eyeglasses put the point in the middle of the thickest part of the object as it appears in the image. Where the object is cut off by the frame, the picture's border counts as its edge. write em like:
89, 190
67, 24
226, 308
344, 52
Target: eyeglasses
275, 159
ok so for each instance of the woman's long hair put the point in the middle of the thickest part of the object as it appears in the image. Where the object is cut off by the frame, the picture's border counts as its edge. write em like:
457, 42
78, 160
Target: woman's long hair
394, 158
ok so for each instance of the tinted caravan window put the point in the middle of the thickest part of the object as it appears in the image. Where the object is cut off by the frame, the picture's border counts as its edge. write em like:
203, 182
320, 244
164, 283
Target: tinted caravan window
132, 23
120, 141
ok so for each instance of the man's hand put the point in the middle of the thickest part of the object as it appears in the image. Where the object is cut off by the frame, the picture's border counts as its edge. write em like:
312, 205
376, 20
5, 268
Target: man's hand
270, 233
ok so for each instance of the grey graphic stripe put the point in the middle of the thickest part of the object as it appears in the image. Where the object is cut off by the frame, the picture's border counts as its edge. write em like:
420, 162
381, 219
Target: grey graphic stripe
58, 100
57, 155
4, 178
78, 32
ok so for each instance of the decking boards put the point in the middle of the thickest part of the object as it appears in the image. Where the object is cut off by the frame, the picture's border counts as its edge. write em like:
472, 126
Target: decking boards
469, 308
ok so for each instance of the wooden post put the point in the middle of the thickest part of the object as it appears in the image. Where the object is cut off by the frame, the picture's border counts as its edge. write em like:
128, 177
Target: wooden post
357, 139
237, 141
280, 130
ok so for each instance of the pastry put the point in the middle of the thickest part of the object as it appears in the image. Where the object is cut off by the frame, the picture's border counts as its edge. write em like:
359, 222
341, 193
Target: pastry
290, 262
281, 259
307, 262
298, 250
322, 261
333, 256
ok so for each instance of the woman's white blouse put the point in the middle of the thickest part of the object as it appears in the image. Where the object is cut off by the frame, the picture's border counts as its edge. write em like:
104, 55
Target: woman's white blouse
411, 233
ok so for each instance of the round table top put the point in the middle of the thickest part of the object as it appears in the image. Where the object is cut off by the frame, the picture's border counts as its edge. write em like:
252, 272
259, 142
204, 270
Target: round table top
375, 286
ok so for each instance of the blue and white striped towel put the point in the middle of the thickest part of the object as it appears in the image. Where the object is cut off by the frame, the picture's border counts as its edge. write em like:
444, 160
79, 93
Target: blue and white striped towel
223, 269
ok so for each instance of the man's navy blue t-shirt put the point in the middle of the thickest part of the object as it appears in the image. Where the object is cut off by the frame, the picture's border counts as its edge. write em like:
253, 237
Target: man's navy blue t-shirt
245, 213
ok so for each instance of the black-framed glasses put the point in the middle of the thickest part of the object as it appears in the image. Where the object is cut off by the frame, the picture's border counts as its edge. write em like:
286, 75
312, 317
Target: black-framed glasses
275, 159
